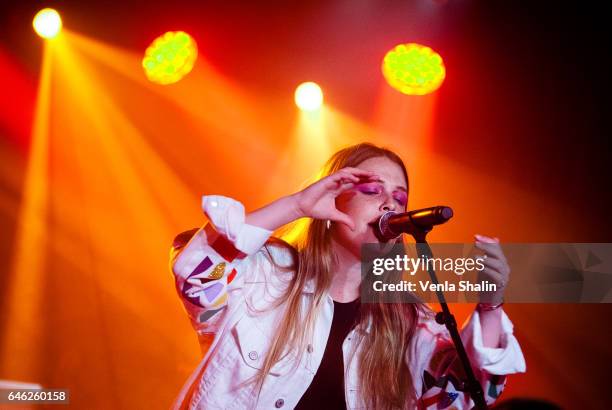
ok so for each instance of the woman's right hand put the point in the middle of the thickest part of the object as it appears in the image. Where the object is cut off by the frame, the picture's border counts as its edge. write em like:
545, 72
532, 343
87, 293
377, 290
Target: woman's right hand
319, 199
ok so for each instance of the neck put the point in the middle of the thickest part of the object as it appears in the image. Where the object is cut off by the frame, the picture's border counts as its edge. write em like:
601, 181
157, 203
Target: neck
346, 277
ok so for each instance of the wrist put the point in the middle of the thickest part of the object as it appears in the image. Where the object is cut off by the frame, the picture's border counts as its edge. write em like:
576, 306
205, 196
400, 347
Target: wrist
489, 307
294, 206
491, 298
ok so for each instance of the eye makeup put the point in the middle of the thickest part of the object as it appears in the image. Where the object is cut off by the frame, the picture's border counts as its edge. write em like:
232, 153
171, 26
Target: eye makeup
401, 197
375, 188
369, 188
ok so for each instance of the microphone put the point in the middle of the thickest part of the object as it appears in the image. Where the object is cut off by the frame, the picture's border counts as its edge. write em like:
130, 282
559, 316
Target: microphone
392, 224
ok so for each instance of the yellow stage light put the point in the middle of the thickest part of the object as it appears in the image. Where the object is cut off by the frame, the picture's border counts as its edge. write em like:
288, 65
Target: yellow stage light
47, 23
308, 96
170, 57
413, 69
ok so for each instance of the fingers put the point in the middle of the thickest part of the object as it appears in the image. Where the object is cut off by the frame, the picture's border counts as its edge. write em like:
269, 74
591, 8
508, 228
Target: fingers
490, 246
486, 239
496, 267
344, 187
354, 174
495, 271
358, 171
339, 184
494, 276
347, 178
347, 175
343, 176
340, 181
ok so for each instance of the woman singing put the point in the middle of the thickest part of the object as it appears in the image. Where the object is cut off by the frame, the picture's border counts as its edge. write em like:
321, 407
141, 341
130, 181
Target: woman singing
283, 326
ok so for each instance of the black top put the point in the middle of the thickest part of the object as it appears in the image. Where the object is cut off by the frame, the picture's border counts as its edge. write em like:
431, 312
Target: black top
327, 388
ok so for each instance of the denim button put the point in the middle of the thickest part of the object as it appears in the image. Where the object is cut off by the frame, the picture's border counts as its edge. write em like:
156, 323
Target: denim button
309, 348
253, 355
279, 403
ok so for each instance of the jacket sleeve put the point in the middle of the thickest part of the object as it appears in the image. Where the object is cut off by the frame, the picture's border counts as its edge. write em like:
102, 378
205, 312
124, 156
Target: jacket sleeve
209, 262
442, 378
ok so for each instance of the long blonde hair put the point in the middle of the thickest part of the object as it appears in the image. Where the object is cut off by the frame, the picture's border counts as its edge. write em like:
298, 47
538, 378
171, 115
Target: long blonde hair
385, 380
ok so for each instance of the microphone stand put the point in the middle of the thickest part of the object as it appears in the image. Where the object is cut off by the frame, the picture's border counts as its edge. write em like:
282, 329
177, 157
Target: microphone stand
446, 317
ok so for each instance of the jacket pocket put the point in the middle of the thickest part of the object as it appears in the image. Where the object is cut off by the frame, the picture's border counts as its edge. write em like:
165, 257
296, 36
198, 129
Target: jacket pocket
254, 345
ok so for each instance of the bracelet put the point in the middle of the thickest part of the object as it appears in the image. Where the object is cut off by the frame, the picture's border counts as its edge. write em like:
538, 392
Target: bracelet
485, 307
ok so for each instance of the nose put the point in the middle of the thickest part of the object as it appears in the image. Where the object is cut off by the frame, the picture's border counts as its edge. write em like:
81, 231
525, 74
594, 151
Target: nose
388, 205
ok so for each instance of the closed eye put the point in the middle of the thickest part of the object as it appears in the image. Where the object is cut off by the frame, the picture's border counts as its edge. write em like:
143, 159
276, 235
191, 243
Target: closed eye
369, 189
401, 198
374, 189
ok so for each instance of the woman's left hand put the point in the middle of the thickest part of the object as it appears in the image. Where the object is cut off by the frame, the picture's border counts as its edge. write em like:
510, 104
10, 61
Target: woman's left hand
496, 268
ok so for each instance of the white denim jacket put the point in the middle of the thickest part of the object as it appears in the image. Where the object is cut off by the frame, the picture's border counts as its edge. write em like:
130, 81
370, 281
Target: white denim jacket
225, 279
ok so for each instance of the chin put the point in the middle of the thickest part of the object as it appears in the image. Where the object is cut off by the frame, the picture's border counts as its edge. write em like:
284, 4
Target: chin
354, 240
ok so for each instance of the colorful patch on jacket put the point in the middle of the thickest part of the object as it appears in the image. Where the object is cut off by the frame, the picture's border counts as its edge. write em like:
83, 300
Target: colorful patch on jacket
231, 276
201, 268
441, 393
223, 246
217, 272
205, 316
442, 382
496, 385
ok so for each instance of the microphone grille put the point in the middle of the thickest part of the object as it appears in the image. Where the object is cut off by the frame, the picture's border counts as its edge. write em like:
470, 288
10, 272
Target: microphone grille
446, 212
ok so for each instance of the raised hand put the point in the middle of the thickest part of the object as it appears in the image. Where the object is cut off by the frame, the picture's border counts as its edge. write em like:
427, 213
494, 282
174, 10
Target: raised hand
319, 199
496, 268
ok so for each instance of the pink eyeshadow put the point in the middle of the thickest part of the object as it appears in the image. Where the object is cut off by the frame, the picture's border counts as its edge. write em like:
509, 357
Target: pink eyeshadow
401, 196
368, 187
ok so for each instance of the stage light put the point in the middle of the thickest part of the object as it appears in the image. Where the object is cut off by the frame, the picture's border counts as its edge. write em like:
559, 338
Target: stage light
170, 57
47, 23
413, 69
308, 96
